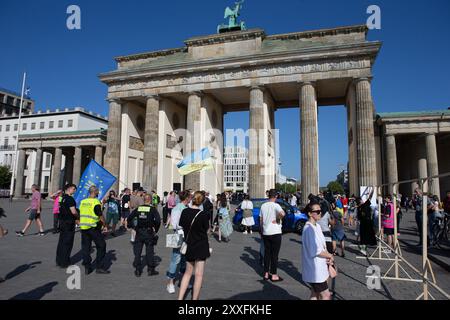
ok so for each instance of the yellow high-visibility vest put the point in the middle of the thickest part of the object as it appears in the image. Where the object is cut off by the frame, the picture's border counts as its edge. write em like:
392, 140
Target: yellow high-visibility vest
88, 218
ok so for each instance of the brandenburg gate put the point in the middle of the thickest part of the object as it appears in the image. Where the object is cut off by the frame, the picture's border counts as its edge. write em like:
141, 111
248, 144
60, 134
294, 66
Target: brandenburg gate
165, 104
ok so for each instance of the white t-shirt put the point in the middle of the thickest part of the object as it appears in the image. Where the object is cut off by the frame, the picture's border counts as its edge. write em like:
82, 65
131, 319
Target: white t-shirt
314, 268
268, 213
247, 204
293, 201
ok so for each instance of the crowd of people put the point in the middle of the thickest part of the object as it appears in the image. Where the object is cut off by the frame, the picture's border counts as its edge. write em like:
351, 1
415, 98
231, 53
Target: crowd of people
192, 217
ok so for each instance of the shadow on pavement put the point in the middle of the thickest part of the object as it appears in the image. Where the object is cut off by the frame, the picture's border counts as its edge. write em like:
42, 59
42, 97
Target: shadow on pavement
21, 269
252, 259
268, 292
36, 294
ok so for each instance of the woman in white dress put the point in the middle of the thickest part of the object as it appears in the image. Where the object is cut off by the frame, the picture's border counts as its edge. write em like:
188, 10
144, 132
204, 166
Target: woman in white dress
315, 256
247, 218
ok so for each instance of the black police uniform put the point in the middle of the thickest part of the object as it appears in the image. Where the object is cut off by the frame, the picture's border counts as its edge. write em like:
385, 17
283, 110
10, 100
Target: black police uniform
67, 231
148, 223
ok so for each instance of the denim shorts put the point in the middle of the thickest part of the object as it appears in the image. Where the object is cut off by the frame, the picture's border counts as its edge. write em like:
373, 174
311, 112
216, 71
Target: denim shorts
33, 215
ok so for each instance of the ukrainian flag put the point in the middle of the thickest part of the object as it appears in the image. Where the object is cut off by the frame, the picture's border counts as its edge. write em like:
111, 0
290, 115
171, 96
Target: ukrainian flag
197, 161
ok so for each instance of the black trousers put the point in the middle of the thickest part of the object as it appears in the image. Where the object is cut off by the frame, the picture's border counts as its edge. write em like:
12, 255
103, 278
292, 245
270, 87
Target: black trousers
272, 246
144, 237
87, 237
65, 243
55, 223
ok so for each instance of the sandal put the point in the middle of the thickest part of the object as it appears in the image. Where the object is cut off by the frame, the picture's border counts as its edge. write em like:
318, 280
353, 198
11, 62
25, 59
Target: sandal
277, 280
268, 278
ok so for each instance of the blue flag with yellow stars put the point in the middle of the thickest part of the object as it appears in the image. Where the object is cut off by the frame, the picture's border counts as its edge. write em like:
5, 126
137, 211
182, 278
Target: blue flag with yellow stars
96, 175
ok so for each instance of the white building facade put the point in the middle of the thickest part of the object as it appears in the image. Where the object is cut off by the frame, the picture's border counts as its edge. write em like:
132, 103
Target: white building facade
235, 173
73, 135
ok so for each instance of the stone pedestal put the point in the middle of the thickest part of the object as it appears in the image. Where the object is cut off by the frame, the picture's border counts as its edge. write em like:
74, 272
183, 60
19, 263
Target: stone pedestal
309, 141
112, 155
256, 179
150, 174
365, 140
193, 138
20, 165
391, 161
432, 162
76, 165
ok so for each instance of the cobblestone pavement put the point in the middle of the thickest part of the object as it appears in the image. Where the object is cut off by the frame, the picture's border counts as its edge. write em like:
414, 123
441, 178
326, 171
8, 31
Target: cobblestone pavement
232, 272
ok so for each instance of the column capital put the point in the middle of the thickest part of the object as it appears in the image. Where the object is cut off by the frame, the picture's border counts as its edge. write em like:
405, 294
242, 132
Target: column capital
304, 83
359, 79
429, 134
116, 100
257, 87
196, 93
153, 97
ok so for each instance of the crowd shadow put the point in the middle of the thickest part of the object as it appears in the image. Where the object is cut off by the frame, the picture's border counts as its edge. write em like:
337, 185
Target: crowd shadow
292, 271
36, 294
110, 256
252, 259
269, 292
21, 269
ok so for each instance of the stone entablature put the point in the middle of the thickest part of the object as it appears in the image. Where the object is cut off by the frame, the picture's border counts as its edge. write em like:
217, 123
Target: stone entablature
414, 122
234, 60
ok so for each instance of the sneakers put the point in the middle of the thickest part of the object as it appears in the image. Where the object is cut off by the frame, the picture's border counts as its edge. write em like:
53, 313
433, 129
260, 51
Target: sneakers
20, 233
251, 232
41, 233
245, 232
137, 272
102, 271
152, 272
170, 288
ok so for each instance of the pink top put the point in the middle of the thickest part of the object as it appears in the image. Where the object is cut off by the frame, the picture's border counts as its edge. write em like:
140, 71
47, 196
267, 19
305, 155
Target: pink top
171, 203
35, 200
388, 222
56, 204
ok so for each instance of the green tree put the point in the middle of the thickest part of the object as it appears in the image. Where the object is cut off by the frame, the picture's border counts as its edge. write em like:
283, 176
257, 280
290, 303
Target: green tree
5, 177
335, 187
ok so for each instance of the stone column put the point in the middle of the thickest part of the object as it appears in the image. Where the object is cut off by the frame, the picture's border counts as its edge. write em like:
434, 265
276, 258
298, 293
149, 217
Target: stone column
112, 155
256, 181
77, 165
99, 155
37, 170
193, 136
365, 141
20, 165
56, 172
432, 162
391, 161
309, 141
150, 172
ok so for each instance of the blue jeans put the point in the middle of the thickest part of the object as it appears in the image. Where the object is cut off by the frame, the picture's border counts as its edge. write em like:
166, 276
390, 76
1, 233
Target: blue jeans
177, 259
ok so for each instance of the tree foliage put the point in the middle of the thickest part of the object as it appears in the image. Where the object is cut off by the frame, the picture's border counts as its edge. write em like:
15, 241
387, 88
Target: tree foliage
335, 187
5, 177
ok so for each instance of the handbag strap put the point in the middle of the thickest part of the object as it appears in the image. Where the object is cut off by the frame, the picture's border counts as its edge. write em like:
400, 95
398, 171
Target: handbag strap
190, 228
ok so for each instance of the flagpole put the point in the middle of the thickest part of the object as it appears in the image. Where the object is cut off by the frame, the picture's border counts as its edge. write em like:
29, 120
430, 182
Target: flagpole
13, 176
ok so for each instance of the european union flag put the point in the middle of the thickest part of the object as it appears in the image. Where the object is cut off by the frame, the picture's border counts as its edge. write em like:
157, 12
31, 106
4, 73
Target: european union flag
96, 175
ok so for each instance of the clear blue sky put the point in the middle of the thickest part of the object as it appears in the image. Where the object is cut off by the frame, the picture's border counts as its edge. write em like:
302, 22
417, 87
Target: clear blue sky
412, 71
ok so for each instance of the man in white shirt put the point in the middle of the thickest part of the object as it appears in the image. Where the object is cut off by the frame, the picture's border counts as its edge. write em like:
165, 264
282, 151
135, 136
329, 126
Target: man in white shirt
271, 215
293, 200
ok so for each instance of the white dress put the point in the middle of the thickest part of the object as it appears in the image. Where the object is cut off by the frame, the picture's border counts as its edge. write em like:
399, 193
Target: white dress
246, 204
314, 268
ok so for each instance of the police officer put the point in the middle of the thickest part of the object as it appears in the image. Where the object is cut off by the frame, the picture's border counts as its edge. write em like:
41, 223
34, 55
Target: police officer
91, 225
148, 223
67, 216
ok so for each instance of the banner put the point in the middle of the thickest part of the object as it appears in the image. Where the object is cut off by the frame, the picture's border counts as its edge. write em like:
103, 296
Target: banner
197, 161
364, 192
96, 175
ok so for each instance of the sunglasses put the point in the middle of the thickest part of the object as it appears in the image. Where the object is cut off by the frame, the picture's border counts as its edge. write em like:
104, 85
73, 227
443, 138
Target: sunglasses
316, 211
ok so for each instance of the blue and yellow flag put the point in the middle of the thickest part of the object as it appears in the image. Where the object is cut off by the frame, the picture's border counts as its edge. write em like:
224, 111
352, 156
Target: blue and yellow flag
96, 175
197, 161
